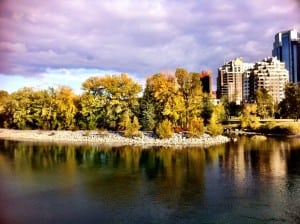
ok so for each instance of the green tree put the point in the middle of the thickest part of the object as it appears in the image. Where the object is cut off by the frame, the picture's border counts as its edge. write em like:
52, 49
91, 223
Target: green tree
207, 108
231, 108
147, 116
289, 107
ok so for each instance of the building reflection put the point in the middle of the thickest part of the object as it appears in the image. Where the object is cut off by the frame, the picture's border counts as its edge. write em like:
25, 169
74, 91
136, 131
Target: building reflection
250, 157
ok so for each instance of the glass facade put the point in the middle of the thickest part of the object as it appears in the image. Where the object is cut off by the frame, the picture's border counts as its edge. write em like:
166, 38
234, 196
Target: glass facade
286, 49
295, 63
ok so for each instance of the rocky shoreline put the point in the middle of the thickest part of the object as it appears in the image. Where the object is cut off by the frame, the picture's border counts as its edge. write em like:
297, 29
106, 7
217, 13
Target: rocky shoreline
109, 138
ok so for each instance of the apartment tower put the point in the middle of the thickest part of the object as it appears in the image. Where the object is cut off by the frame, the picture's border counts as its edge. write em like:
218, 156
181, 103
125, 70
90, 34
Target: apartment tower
230, 81
269, 74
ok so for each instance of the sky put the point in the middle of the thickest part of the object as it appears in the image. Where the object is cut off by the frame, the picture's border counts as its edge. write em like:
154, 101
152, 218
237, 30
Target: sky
63, 42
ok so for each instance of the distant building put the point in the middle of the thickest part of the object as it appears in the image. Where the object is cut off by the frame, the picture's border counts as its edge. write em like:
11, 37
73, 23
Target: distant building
230, 81
270, 74
206, 81
286, 48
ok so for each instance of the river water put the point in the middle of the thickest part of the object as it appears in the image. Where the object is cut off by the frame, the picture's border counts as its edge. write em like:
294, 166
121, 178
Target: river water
238, 182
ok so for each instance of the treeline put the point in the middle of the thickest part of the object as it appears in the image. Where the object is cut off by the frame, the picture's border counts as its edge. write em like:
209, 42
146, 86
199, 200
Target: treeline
116, 102
168, 103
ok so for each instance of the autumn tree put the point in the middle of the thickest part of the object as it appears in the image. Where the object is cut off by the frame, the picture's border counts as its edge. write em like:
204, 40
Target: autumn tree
132, 128
164, 129
264, 101
196, 127
33, 109
4, 98
18, 109
165, 98
118, 95
191, 91
40, 105
65, 109
91, 111
215, 122
248, 117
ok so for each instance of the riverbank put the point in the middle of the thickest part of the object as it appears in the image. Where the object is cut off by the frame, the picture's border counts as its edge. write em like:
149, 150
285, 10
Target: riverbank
109, 138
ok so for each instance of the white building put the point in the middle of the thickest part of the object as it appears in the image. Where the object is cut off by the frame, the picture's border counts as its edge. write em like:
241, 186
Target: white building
229, 81
271, 75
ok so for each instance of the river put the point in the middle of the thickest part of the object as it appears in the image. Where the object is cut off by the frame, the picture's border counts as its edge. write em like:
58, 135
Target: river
239, 182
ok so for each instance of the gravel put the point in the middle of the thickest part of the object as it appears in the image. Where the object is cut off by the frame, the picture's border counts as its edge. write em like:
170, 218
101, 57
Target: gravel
111, 138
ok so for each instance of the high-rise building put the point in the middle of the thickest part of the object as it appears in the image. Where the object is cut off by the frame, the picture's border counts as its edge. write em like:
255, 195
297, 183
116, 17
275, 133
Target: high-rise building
286, 48
269, 74
206, 81
230, 81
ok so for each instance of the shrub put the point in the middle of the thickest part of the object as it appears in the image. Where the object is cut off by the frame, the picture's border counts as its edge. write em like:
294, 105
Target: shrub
164, 129
87, 133
52, 133
132, 129
196, 127
74, 128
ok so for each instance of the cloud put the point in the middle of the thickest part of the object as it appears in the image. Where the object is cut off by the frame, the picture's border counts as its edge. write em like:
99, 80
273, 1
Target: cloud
136, 37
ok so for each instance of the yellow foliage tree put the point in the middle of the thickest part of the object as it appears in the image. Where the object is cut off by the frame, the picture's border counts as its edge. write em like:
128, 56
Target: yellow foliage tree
196, 127
190, 89
248, 118
215, 123
168, 103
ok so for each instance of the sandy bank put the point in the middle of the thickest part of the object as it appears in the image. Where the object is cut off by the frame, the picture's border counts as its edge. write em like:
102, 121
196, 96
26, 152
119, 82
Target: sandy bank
108, 138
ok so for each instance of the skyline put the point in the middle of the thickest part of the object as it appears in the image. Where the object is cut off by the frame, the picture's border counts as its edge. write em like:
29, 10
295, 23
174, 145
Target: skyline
46, 44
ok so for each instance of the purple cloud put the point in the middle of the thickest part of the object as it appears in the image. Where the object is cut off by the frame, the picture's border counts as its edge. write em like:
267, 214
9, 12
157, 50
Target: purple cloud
137, 37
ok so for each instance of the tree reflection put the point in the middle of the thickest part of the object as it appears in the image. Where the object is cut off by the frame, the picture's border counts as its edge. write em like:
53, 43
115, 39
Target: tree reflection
171, 174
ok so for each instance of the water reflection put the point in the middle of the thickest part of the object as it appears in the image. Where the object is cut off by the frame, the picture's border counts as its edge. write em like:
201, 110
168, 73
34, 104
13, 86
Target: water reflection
248, 181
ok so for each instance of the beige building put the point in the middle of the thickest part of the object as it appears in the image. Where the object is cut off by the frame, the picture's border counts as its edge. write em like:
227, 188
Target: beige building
230, 80
271, 75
